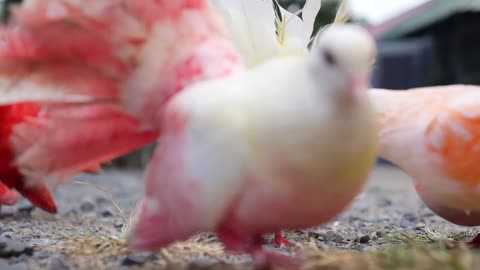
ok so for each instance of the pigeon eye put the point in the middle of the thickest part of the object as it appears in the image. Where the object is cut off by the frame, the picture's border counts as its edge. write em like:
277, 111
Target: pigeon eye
328, 56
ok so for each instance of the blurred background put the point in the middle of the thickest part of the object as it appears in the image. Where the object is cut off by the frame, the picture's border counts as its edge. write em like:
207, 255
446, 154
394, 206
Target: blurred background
420, 43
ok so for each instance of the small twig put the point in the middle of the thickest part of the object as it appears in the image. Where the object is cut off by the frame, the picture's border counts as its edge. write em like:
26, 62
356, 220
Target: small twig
109, 195
166, 256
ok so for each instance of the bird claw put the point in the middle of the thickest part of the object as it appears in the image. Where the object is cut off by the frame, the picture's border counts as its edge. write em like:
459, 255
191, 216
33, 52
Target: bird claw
280, 241
263, 257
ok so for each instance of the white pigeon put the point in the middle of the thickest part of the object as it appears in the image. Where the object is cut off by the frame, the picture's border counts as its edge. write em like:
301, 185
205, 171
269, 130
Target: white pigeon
285, 145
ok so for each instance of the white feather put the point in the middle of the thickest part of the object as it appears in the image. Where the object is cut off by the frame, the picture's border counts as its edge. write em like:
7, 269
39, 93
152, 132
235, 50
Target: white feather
309, 14
252, 27
297, 32
27, 91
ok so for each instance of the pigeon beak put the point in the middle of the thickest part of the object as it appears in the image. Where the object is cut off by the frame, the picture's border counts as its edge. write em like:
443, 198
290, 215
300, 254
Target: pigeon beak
356, 85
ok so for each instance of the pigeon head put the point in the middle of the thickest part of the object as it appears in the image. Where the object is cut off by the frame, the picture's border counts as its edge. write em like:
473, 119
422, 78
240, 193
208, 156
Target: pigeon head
342, 58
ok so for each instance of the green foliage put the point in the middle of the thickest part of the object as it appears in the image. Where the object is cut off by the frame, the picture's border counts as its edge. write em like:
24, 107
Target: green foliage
326, 14
5, 9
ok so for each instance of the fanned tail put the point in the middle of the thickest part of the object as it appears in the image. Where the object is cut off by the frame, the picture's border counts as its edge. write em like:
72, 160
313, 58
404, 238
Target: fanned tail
74, 139
120, 51
101, 72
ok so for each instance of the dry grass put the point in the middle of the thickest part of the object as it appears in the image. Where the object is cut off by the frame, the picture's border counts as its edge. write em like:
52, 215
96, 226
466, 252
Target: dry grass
425, 250
99, 246
95, 248
102, 248
418, 257
95, 245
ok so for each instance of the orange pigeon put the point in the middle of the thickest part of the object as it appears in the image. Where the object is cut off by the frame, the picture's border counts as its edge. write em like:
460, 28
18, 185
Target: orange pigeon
433, 134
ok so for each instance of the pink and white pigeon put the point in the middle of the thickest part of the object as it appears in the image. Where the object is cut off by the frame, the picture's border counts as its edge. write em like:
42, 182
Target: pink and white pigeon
249, 154
101, 72
433, 134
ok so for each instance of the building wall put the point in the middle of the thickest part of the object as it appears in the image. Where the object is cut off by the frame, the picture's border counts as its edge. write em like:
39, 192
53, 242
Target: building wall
403, 64
447, 52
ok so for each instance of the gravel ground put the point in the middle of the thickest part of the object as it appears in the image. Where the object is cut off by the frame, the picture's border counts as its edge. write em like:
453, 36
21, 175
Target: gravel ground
87, 232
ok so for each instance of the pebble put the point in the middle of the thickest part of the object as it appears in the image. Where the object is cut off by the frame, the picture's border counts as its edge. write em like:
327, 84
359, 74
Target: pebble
7, 233
202, 262
138, 259
87, 206
42, 255
25, 206
332, 236
105, 213
131, 260
7, 211
17, 266
101, 200
57, 264
313, 234
13, 248
71, 212
118, 224
384, 202
364, 239
427, 214
410, 217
